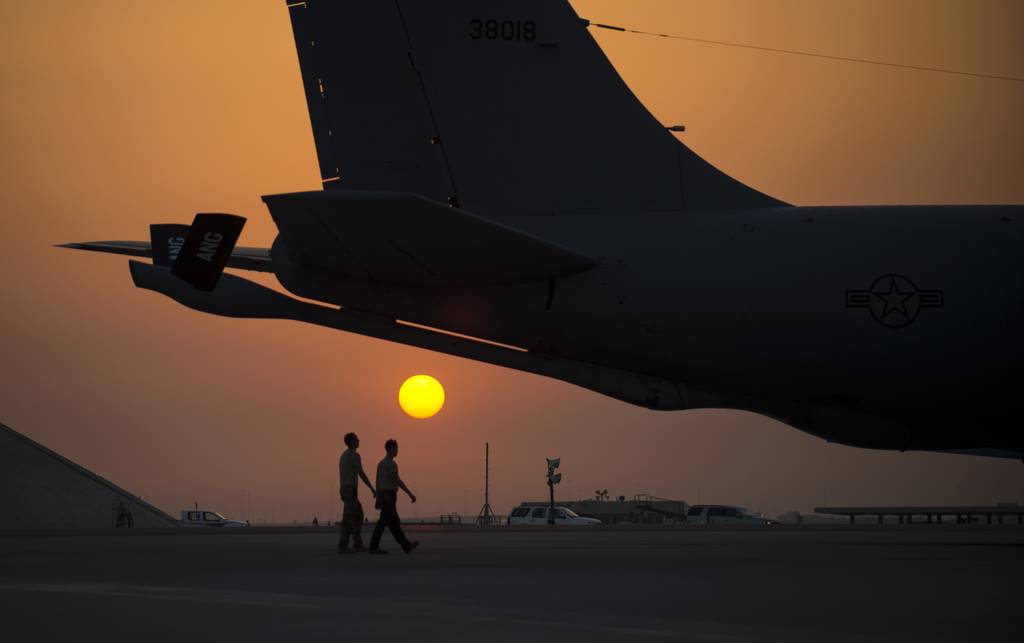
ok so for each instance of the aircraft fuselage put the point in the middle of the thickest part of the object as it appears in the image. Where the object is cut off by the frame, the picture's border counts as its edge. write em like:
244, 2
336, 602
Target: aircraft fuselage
887, 327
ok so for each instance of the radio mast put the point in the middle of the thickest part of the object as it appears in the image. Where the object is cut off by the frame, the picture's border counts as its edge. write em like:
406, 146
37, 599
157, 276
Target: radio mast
487, 517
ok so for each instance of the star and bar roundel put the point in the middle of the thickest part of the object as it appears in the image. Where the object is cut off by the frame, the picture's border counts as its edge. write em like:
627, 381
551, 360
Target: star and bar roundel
894, 300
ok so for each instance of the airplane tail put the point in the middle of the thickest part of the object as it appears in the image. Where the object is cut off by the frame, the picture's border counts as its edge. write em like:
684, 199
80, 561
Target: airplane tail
165, 241
206, 249
499, 107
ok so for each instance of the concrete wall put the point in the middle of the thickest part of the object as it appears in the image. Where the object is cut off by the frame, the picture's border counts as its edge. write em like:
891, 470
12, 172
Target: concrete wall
40, 489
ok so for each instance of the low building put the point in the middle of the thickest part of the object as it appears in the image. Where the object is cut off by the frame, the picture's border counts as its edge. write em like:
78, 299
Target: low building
1010, 511
41, 489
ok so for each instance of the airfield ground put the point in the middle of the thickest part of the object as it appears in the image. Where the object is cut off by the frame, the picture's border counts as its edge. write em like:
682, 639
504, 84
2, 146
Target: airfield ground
859, 583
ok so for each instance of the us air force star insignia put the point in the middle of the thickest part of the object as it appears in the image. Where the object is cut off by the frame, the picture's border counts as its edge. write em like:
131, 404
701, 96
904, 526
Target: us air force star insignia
894, 301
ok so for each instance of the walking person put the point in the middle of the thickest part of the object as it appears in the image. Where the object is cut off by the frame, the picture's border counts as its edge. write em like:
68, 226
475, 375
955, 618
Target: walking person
388, 484
350, 470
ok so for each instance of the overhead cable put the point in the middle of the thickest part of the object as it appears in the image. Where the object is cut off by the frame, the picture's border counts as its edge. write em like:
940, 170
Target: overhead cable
811, 54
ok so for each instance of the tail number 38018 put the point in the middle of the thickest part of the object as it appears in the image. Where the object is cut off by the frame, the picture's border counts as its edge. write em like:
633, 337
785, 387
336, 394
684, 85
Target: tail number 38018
490, 29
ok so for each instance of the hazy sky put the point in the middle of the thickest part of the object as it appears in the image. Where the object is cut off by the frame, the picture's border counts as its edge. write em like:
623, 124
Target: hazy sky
118, 114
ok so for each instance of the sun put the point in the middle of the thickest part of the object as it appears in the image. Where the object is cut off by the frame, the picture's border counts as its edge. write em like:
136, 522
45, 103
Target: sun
421, 396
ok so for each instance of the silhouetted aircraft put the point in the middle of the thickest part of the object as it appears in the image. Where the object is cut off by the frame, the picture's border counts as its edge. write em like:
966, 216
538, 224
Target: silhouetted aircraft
493, 190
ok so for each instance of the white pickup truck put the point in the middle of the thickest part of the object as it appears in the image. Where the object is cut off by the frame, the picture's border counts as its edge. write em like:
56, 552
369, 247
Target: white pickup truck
538, 515
206, 518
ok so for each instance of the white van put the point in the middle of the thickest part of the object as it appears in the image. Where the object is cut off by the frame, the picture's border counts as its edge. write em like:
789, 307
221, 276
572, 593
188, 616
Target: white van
538, 515
715, 514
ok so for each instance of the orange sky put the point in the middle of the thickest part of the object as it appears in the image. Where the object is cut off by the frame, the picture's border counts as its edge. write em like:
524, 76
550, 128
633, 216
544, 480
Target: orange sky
115, 115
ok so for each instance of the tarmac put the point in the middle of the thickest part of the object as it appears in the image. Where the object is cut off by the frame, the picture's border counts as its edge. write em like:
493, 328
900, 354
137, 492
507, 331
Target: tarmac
806, 583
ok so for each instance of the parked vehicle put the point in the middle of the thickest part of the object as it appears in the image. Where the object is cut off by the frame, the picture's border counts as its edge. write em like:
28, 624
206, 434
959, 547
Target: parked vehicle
206, 518
538, 515
713, 514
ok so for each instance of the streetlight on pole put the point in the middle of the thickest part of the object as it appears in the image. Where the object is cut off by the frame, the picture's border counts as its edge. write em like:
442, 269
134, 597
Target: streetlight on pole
553, 479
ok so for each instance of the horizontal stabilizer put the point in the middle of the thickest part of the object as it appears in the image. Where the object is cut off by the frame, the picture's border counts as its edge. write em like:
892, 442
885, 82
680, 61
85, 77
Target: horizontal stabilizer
403, 238
257, 259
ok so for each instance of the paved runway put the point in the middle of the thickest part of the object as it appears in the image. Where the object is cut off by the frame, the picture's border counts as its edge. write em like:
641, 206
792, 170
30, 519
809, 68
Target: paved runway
929, 582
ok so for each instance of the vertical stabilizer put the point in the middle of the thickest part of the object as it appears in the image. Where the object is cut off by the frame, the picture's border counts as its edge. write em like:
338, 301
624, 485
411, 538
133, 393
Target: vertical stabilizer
500, 107
371, 123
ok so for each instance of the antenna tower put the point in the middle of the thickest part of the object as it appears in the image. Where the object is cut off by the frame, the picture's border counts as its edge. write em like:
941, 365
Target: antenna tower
487, 517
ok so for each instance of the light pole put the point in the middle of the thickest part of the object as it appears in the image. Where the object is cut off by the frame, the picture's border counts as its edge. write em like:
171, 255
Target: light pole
553, 479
